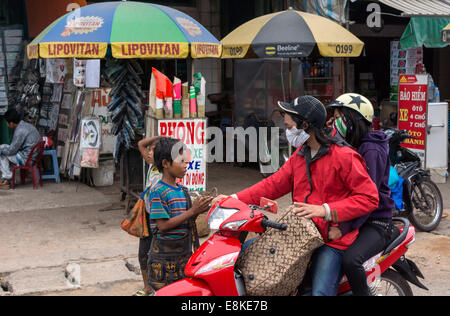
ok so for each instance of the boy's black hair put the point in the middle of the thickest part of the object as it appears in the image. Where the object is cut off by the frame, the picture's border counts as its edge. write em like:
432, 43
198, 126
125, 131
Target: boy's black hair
12, 116
164, 149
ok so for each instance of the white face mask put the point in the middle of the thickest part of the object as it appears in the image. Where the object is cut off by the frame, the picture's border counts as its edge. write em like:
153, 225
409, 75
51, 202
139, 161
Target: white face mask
296, 137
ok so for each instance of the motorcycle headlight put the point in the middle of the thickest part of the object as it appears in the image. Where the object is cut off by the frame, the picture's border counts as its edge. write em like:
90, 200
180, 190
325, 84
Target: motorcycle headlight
235, 225
219, 263
219, 215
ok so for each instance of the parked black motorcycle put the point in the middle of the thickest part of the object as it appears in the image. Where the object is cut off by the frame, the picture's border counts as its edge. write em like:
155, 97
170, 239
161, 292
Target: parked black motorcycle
421, 196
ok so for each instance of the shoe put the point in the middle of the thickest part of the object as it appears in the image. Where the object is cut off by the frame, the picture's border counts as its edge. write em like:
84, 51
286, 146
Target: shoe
5, 185
141, 293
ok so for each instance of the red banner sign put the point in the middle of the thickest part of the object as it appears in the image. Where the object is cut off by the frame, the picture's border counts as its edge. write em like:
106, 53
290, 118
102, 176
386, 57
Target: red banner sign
412, 107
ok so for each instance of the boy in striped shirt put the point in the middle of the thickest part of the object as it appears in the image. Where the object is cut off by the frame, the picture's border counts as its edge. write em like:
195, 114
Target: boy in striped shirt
170, 216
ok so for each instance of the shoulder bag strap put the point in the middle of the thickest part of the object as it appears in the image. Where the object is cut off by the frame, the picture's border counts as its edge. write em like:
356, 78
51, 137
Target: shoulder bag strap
192, 224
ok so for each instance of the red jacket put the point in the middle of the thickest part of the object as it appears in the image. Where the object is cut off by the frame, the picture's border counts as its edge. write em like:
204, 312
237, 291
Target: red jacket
339, 177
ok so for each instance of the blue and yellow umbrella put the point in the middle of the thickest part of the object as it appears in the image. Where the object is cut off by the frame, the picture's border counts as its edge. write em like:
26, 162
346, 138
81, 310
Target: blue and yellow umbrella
130, 29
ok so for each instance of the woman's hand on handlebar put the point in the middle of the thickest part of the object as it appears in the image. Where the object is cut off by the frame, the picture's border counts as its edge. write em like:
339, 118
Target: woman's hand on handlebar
218, 199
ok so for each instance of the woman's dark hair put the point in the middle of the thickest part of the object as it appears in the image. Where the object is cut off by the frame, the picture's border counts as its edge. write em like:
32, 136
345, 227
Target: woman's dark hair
12, 116
357, 126
320, 133
164, 150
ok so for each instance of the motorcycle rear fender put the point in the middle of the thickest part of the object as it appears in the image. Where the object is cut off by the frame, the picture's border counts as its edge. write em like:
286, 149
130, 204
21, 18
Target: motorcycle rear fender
409, 271
186, 287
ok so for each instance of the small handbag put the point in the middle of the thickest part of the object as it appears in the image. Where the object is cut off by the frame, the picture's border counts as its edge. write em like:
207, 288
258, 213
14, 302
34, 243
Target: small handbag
136, 222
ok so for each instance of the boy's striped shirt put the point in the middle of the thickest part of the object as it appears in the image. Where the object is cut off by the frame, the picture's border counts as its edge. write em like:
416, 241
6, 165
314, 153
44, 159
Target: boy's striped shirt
167, 202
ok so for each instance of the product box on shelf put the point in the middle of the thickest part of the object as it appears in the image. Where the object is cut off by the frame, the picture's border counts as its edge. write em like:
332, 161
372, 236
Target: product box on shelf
12, 48
13, 40
14, 32
11, 56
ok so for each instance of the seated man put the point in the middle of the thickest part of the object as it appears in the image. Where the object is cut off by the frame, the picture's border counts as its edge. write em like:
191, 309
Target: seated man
25, 138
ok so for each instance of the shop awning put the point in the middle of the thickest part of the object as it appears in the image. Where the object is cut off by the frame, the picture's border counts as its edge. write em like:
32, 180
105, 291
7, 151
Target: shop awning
420, 7
446, 34
424, 31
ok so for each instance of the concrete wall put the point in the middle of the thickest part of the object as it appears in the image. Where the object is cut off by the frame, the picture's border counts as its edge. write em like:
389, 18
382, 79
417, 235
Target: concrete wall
207, 12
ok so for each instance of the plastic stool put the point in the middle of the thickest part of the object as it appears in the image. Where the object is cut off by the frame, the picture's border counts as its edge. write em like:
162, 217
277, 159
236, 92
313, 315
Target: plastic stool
55, 168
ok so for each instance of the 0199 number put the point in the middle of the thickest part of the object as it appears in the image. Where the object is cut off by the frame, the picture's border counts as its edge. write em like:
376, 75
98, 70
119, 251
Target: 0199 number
344, 49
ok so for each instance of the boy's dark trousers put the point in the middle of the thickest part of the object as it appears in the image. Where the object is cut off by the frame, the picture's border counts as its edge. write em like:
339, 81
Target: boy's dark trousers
167, 261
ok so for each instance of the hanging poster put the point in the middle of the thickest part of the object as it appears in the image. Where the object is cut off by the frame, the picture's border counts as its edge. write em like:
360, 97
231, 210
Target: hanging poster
89, 158
56, 71
90, 134
412, 116
93, 73
79, 72
192, 132
99, 102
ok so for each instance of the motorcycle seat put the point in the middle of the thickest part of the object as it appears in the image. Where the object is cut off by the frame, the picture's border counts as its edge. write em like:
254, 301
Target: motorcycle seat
398, 237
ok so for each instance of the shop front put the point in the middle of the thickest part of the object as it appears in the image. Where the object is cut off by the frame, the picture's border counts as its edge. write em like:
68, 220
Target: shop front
94, 89
281, 56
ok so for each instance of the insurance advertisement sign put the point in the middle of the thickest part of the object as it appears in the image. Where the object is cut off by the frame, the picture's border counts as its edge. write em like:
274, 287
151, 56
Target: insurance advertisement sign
412, 105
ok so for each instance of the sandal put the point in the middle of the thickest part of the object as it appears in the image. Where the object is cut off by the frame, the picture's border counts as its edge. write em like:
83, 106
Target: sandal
4, 185
140, 293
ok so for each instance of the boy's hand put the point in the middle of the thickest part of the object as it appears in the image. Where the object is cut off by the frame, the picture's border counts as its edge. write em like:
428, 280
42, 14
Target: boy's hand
201, 205
334, 233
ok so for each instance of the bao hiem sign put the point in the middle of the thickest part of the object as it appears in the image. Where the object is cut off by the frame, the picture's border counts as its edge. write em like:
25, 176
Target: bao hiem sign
193, 134
413, 105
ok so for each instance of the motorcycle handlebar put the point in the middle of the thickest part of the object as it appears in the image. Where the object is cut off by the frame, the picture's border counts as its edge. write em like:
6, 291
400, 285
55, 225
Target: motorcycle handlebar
279, 226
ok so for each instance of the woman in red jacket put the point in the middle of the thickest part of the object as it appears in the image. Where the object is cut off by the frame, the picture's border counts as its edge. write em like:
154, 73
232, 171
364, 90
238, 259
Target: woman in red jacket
329, 184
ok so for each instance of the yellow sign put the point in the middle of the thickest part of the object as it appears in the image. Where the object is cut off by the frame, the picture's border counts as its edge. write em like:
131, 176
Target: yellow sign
73, 50
340, 50
33, 51
271, 50
235, 51
150, 50
404, 115
205, 50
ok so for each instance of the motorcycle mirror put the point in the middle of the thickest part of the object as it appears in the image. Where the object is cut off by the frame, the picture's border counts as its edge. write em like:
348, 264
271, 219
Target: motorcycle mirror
269, 205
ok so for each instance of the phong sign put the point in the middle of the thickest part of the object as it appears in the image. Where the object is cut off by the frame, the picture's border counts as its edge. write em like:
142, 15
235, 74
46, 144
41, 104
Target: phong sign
412, 107
192, 132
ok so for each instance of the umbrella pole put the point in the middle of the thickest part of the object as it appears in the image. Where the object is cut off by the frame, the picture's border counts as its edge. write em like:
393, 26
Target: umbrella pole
290, 80
190, 70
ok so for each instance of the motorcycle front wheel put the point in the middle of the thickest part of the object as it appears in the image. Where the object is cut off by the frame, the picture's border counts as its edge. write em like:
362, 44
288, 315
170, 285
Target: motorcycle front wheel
427, 206
391, 283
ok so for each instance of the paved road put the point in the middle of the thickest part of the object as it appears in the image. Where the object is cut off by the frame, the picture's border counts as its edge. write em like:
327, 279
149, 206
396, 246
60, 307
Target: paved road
38, 247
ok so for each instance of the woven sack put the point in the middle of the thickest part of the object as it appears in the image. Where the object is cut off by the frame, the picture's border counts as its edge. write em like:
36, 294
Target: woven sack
275, 264
202, 225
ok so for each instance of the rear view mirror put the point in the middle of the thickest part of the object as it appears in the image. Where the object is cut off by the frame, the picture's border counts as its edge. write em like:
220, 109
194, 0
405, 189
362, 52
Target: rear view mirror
269, 205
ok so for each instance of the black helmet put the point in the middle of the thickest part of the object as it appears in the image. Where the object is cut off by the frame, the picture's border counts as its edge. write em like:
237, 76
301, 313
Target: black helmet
308, 108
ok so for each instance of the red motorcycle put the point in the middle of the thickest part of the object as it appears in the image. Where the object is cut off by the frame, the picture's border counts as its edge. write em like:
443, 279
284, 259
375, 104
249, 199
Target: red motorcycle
212, 270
